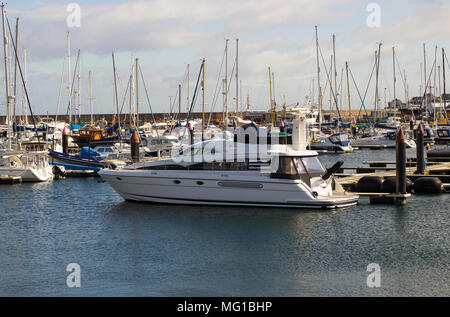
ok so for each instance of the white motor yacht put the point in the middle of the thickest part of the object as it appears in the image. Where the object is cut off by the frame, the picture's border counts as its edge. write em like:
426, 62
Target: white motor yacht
386, 140
31, 166
335, 143
222, 172
162, 145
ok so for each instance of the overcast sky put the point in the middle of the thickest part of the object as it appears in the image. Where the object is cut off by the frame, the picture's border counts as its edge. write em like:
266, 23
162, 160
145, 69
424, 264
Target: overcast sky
166, 35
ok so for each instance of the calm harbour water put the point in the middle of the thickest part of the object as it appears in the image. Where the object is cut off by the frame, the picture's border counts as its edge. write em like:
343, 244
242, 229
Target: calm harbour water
136, 249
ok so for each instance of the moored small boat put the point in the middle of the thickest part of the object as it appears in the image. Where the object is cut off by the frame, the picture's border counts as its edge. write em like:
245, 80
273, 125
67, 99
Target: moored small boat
94, 137
87, 157
31, 167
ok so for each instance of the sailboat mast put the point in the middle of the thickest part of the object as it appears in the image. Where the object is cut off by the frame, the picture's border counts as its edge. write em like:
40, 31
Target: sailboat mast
421, 80
443, 79
90, 97
24, 108
79, 85
115, 91
348, 92
335, 71
376, 81
439, 87
5, 51
393, 67
331, 85
131, 97
319, 89
15, 70
271, 100
237, 76
378, 57
137, 93
187, 91
68, 77
226, 84
424, 78
203, 101
179, 101
248, 102
273, 94
406, 88
340, 88
434, 88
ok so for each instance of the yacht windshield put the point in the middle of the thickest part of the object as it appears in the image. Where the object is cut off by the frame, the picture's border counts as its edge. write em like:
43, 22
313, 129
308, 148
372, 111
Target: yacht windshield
338, 138
313, 165
300, 167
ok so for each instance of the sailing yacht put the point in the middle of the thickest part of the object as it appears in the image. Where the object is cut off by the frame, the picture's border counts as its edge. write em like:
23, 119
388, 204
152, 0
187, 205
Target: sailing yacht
223, 172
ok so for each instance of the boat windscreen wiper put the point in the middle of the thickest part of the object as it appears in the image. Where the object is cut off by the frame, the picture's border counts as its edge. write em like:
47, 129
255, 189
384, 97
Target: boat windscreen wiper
333, 169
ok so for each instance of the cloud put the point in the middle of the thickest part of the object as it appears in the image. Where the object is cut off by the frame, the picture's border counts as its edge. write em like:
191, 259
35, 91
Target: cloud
166, 34
160, 24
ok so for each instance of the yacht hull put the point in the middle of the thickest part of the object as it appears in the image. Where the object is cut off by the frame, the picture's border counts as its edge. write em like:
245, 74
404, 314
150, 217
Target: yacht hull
197, 188
374, 142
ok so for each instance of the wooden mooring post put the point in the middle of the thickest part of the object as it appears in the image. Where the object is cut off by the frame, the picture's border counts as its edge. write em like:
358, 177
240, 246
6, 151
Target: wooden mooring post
400, 160
420, 149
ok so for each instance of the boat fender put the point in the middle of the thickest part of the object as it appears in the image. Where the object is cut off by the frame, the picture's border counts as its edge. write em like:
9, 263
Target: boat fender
333, 169
144, 141
369, 184
428, 185
389, 185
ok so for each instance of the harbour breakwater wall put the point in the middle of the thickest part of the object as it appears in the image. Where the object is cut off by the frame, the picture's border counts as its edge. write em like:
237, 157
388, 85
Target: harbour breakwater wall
256, 115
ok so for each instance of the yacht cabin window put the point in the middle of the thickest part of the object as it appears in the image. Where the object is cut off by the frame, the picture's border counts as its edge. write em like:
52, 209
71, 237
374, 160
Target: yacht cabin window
391, 135
298, 167
313, 165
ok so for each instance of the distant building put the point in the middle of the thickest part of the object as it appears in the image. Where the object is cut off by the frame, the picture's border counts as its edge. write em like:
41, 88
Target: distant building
394, 104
